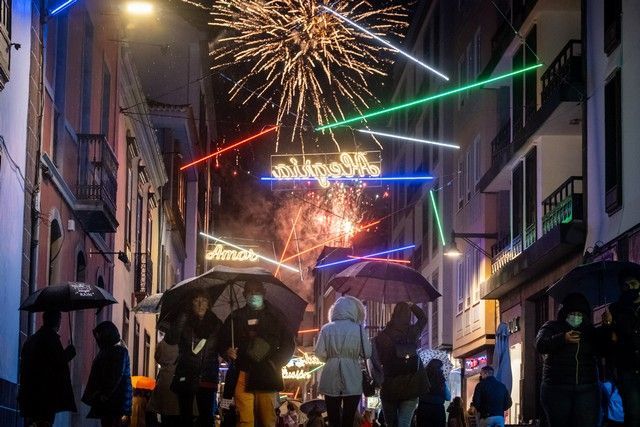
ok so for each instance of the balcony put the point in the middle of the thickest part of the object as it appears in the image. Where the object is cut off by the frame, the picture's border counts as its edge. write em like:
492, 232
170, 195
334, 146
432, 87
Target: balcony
517, 260
562, 89
143, 276
96, 185
5, 42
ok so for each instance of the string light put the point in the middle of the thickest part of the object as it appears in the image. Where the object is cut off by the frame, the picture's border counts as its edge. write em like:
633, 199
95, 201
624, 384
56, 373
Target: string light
259, 256
406, 138
437, 215
384, 42
428, 98
230, 147
367, 256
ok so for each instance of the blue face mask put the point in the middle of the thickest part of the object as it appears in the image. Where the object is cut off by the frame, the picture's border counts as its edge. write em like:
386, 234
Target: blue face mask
574, 320
256, 302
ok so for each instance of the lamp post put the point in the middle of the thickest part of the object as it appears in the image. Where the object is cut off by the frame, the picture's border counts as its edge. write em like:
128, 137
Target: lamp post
452, 251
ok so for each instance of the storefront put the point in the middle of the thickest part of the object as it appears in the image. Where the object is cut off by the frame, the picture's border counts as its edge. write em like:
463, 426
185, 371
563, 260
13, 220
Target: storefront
472, 366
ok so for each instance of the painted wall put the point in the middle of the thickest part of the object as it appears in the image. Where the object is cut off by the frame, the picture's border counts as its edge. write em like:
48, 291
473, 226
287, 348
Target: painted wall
13, 130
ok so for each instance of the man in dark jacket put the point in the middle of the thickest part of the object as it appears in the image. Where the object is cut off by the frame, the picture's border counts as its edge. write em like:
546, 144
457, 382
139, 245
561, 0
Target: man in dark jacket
570, 345
624, 331
197, 368
259, 344
45, 383
490, 399
108, 390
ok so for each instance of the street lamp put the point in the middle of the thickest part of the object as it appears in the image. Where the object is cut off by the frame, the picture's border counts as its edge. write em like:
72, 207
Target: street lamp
139, 8
452, 251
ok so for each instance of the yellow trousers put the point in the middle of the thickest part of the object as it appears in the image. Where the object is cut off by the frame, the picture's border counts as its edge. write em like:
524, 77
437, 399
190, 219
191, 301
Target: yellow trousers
254, 406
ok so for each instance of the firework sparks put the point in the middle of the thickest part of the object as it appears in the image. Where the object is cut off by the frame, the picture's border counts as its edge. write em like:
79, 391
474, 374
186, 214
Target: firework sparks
302, 59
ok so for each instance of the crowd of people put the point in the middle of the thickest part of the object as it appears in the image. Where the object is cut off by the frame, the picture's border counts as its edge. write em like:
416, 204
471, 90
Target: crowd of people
577, 388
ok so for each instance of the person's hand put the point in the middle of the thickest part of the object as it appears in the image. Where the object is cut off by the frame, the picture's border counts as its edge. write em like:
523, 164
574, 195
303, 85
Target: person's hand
232, 353
572, 337
607, 318
124, 420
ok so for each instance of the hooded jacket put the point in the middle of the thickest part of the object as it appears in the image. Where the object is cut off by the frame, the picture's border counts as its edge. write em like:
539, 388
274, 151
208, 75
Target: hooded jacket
565, 363
339, 346
109, 391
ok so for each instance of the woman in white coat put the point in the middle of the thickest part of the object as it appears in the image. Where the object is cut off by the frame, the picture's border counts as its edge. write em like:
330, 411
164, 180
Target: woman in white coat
341, 345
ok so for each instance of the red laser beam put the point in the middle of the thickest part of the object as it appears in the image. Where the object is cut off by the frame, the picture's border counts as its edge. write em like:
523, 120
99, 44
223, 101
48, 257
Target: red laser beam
286, 246
364, 258
229, 147
319, 245
306, 331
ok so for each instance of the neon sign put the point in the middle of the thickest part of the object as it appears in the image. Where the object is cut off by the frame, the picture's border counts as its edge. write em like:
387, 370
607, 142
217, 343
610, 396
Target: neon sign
219, 253
326, 167
298, 367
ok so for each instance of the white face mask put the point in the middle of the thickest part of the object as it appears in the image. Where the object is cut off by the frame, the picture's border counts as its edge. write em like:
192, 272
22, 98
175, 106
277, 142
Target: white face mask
574, 320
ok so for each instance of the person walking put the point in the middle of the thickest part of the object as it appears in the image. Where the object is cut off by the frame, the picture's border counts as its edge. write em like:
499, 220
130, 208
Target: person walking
490, 399
163, 401
341, 344
622, 323
570, 393
263, 345
457, 415
434, 393
45, 381
108, 391
197, 367
396, 356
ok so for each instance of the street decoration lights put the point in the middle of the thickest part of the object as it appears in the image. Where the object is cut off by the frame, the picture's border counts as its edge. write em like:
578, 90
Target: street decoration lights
363, 257
406, 138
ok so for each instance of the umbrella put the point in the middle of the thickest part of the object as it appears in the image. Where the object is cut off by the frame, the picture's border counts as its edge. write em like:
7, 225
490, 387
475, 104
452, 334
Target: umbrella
383, 281
309, 405
149, 305
284, 405
225, 286
429, 353
597, 281
68, 296
501, 357
143, 383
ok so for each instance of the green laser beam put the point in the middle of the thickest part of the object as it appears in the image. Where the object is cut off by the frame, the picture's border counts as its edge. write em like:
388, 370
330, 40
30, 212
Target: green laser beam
435, 211
428, 98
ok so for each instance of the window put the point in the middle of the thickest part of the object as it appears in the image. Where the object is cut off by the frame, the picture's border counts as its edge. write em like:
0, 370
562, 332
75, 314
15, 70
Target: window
460, 287
477, 262
87, 60
146, 354
516, 202
477, 161
125, 323
462, 73
469, 265
106, 101
461, 182
469, 185
128, 195
182, 183
530, 193
517, 87
613, 143
136, 348
5, 41
612, 25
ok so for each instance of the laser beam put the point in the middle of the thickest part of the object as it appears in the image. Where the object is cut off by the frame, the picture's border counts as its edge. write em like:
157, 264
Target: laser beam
384, 42
428, 98
367, 256
406, 138
229, 147
241, 249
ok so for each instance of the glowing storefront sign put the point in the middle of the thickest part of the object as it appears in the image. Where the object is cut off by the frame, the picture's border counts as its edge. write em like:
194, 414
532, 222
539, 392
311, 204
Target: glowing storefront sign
323, 167
301, 368
219, 253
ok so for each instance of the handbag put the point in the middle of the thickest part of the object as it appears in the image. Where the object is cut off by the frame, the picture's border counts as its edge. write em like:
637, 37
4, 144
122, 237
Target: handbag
368, 385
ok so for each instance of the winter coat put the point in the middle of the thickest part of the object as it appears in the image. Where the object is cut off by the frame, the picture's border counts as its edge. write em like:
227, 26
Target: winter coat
267, 327
45, 382
339, 346
199, 369
491, 398
396, 383
565, 363
163, 400
108, 390
626, 324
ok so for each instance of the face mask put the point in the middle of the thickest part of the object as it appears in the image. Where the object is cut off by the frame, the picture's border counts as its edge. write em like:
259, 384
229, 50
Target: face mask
255, 301
574, 320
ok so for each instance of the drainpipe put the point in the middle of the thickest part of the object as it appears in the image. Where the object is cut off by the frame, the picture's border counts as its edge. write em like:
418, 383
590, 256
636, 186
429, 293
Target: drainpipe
35, 201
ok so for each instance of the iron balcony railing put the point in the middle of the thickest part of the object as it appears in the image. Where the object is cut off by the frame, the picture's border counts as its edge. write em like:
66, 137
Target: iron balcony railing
500, 144
97, 171
563, 205
504, 251
564, 72
143, 273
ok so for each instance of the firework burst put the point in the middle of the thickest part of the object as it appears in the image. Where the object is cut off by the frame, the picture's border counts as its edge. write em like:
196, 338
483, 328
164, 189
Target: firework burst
302, 60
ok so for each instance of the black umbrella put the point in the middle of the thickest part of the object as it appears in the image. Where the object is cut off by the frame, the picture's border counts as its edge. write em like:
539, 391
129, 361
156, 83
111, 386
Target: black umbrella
68, 296
318, 404
385, 282
149, 305
598, 281
225, 287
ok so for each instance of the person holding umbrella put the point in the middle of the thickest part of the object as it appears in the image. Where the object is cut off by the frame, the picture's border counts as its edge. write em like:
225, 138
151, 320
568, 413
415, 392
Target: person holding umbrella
341, 345
259, 343
197, 368
45, 381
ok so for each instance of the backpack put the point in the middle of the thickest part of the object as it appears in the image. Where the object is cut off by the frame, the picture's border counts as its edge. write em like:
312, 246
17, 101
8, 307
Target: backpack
406, 359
